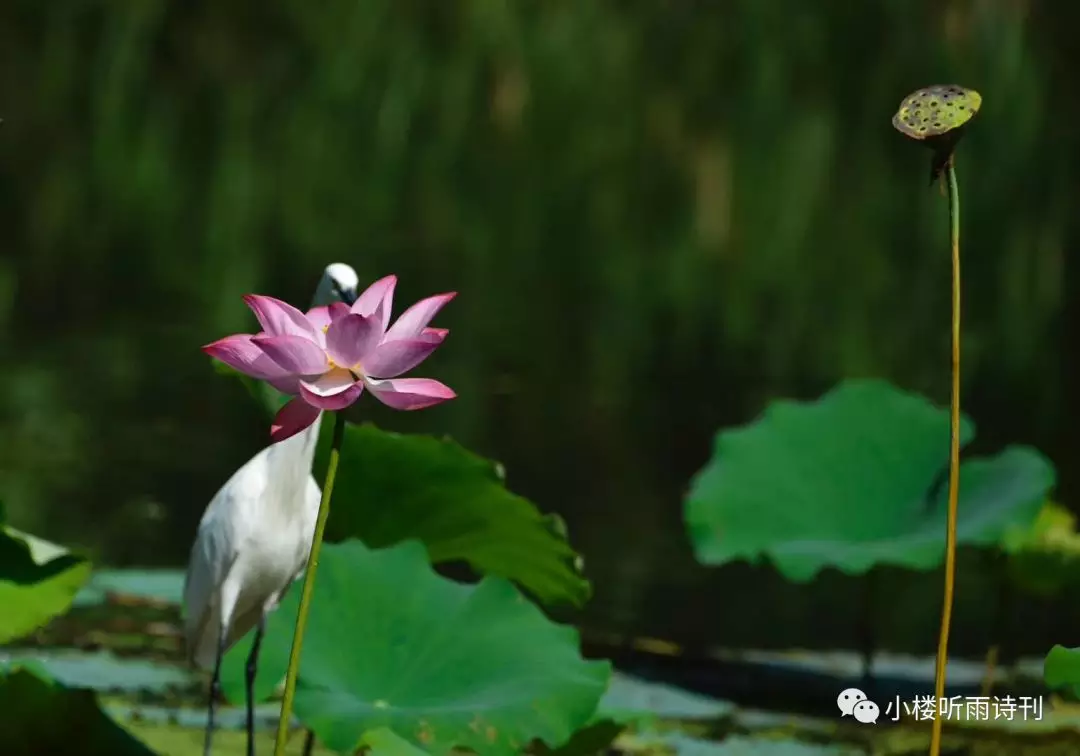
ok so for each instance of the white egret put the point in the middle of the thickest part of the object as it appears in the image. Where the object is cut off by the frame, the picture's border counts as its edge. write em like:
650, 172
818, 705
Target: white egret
253, 542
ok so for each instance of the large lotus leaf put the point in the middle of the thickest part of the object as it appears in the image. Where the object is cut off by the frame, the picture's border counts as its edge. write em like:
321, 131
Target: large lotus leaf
38, 581
853, 480
41, 716
392, 644
391, 487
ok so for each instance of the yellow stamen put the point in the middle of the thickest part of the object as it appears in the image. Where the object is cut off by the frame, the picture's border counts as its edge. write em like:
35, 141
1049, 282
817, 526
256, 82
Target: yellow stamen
356, 370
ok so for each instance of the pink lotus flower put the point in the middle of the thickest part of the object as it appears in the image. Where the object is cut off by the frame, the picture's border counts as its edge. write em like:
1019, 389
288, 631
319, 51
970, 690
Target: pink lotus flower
326, 357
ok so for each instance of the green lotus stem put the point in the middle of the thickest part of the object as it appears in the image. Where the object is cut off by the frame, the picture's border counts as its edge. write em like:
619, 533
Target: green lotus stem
309, 587
954, 458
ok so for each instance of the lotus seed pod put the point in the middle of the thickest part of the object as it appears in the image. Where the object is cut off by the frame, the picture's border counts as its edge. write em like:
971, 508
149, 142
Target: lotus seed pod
932, 113
936, 116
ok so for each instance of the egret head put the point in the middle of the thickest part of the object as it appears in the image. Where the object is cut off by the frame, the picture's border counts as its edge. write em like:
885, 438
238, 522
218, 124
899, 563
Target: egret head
338, 282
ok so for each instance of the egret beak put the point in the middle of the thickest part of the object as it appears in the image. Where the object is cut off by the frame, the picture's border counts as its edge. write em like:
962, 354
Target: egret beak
348, 296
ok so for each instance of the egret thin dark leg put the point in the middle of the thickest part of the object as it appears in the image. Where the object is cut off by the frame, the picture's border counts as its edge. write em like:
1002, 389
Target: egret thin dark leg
249, 684
309, 743
215, 693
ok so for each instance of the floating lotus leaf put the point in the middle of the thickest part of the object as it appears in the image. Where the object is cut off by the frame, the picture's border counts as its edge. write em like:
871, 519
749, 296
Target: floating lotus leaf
935, 111
392, 644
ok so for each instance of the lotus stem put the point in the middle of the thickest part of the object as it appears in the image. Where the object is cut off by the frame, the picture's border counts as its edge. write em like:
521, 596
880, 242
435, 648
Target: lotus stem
954, 460
309, 587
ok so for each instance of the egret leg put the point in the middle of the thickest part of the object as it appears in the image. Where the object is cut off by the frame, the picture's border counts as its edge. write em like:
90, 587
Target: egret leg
249, 683
309, 742
215, 692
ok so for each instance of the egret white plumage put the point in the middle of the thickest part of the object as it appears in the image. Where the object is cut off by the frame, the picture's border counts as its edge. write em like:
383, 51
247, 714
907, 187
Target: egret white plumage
253, 541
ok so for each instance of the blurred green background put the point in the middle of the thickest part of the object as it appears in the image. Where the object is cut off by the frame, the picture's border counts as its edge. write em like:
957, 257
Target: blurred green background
658, 216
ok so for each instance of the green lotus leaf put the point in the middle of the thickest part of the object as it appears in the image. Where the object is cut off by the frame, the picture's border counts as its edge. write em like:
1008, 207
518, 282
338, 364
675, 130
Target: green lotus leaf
391, 644
853, 480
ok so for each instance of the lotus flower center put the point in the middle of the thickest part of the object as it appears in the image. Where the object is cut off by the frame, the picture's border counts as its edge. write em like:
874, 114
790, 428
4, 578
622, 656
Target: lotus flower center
356, 370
